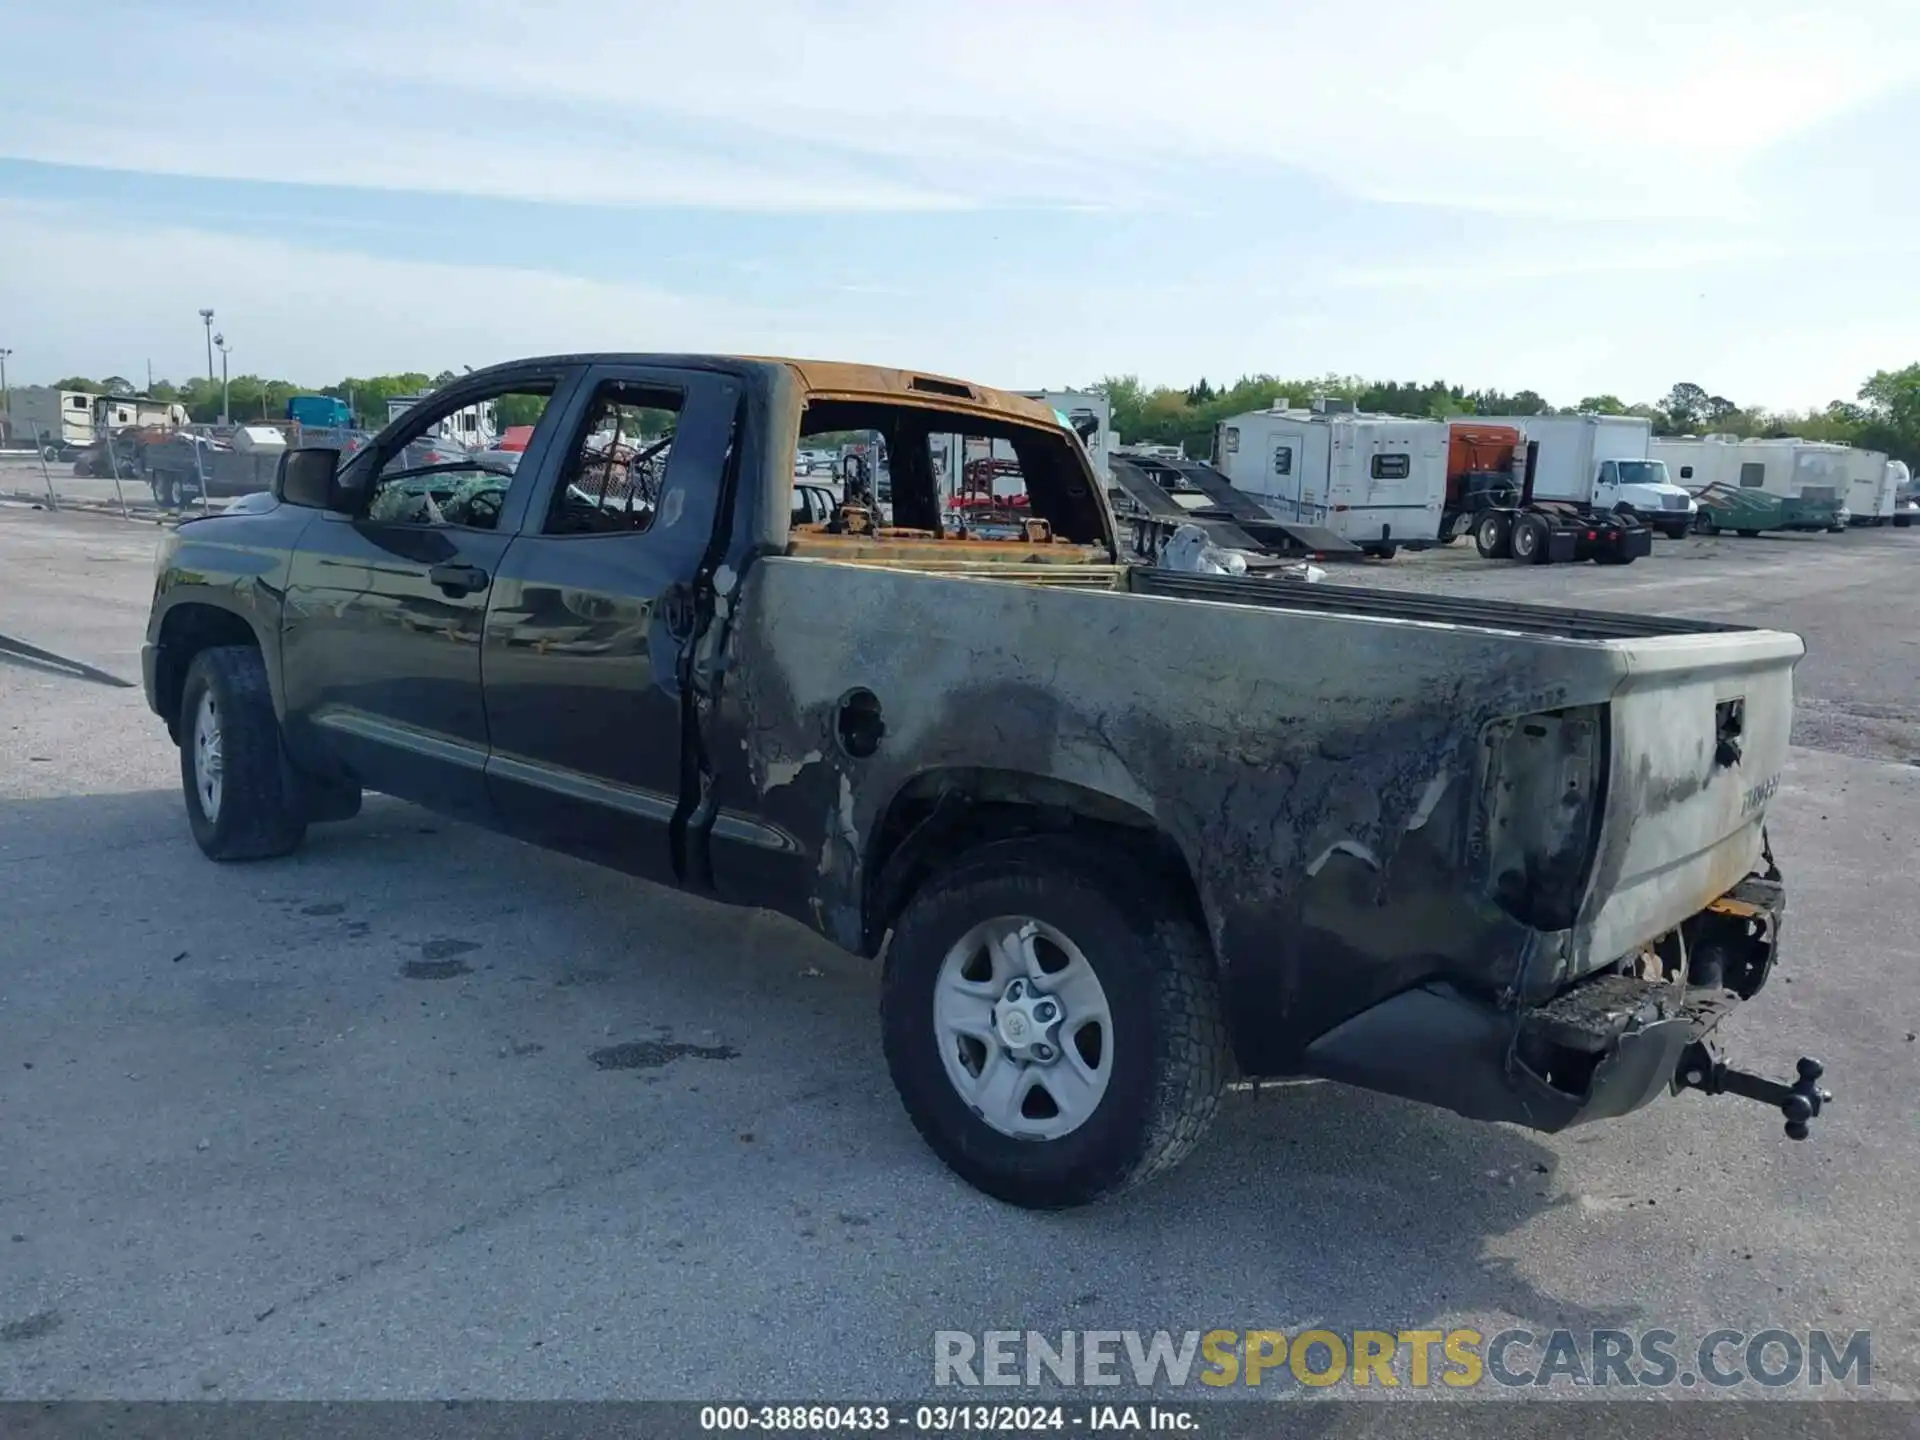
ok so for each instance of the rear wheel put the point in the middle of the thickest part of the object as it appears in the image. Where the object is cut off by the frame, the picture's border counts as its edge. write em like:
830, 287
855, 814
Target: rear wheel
1529, 539
236, 780
1492, 535
1052, 1022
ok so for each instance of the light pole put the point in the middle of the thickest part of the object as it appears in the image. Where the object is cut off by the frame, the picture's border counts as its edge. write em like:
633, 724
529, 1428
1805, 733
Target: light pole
220, 342
6, 395
206, 319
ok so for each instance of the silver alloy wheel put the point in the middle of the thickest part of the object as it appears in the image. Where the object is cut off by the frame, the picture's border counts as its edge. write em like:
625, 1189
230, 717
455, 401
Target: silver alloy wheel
206, 756
1023, 1027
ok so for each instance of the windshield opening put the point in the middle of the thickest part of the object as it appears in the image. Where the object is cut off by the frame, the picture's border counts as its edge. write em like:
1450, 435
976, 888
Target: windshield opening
1643, 472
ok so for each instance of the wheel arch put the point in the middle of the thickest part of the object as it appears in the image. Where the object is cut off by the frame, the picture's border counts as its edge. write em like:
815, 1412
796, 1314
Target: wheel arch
188, 627
937, 815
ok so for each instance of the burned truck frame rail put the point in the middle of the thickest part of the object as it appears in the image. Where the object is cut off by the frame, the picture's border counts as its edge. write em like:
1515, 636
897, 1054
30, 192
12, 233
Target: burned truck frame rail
1114, 832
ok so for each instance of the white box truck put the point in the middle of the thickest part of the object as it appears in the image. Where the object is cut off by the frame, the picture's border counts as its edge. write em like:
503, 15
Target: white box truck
1603, 461
1377, 481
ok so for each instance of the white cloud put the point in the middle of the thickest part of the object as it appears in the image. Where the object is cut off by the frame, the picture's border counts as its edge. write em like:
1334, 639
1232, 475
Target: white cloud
1573, 108
1643, 183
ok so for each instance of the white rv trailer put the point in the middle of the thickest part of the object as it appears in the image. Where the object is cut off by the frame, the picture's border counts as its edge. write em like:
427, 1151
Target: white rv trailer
1377, 481
473, 427
1806, 481
1871, 487
57, 422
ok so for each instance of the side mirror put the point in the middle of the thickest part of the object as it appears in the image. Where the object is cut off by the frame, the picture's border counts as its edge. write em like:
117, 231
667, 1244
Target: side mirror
309, 477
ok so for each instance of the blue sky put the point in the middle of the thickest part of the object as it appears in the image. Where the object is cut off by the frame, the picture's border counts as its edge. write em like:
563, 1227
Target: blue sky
1569, 197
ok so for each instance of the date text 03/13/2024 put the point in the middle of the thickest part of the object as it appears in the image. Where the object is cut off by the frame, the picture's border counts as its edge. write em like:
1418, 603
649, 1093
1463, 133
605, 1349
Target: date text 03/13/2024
942, 1419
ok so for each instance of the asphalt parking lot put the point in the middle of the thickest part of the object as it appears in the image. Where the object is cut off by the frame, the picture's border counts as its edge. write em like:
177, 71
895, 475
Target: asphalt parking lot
423, 1112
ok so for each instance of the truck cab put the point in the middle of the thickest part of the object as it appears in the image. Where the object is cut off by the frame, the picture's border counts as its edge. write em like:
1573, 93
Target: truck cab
1644, 488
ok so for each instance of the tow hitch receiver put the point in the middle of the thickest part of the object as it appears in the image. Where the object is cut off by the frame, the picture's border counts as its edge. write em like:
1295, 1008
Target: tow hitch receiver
1800, 1102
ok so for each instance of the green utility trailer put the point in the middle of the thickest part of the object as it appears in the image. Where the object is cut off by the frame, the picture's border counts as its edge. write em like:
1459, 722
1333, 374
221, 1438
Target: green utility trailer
1748, 511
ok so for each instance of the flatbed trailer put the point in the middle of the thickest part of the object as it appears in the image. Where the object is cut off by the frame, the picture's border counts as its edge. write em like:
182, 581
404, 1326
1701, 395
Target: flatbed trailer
1231, 518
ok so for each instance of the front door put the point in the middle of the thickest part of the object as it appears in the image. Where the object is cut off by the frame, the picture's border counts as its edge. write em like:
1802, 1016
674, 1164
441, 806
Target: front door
384, 607
589, 610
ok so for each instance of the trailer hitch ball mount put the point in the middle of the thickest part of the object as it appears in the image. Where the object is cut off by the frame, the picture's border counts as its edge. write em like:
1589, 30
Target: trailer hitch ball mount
1801, 1102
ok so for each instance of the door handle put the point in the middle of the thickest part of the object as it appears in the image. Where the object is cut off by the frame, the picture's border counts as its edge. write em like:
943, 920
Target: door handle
458, 580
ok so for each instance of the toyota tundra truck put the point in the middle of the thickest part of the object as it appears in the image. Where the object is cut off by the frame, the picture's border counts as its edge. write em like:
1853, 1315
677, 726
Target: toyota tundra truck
1117, 836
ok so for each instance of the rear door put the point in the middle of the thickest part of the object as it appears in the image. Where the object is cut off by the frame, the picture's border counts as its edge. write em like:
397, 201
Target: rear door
384, 608
589, 611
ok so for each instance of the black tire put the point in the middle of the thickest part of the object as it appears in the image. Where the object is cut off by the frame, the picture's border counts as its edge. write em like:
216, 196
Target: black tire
1493, 536
1528, 542
1675, 532
1170, 1056
1387, 552
1902, 522
162, 484
255, 815
1747, 534
1705, 524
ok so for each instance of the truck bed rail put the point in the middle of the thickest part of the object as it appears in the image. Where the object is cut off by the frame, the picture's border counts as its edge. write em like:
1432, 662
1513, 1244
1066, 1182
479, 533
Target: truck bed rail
1506, 615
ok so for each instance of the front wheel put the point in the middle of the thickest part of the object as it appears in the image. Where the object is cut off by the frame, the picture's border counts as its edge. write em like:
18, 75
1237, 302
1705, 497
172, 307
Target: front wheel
1053, 1023
231, 767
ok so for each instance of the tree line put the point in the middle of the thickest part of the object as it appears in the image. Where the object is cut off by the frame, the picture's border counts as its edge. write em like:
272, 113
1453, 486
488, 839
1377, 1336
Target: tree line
1883, 415
253, 397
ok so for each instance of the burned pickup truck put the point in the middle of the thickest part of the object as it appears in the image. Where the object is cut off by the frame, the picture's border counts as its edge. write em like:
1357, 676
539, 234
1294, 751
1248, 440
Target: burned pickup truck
1117, 835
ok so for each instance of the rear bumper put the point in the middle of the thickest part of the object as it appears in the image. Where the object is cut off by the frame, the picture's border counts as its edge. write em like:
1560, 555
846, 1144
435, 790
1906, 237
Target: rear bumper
1601, 1048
